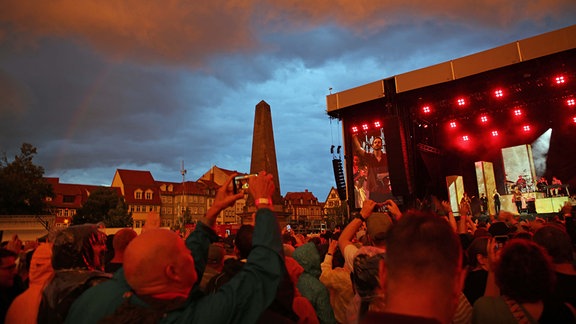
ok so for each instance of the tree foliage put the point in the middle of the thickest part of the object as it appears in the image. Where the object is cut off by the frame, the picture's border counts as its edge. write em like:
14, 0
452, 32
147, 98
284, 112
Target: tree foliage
104, 205
23, 188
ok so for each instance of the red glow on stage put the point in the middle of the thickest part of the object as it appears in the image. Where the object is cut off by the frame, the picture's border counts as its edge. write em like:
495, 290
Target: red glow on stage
365, 127
498, 93
571, 102
574, 120
426, 109
461, 102
465, 138
517, 112
377, 124
526, 128
354, 129
453, 124
560, 79
495, 133
483, 119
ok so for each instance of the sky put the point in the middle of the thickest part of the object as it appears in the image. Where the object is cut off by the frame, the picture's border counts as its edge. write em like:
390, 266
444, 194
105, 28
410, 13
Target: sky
97, 85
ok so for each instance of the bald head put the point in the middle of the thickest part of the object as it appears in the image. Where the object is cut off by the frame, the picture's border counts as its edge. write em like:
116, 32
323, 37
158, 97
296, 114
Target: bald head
158, 261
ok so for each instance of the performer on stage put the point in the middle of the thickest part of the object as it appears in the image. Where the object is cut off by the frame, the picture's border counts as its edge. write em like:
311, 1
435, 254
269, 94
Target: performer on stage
521, 183
557, 184
483, 204
517, 199
542, 184
377, 162
465, 206
496, 198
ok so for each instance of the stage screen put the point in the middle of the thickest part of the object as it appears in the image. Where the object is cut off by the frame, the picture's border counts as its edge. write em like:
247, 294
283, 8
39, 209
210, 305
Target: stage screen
370, 166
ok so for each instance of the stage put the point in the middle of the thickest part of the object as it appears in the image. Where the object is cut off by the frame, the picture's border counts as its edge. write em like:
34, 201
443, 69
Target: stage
534, 203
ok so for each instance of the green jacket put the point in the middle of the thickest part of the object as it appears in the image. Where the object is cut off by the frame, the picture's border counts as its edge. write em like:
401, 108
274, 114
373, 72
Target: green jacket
241, 300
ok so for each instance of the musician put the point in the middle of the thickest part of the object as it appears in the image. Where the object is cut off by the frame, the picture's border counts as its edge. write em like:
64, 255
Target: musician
521, 183
542, 184
517, 199
557, 184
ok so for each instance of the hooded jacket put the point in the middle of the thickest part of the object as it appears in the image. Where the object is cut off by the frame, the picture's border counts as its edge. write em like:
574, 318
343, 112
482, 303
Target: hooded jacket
24, 309
309, 283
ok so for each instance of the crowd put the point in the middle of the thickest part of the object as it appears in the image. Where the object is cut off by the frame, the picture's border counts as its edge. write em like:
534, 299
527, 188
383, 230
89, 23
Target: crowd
421, 265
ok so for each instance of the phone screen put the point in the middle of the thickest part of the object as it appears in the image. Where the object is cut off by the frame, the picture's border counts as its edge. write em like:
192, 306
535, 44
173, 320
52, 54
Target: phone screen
241, 182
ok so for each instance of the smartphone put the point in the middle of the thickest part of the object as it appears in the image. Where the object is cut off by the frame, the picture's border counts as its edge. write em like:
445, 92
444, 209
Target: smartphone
288, 228
241, 182
500, 241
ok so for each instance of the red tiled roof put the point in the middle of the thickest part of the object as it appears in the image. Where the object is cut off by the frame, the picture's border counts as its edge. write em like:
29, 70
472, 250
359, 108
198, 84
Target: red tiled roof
133, 180
306, 196
136, 177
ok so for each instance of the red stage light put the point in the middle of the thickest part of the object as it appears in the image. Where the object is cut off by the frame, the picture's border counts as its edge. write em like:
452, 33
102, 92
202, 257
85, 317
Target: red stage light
498, 93
377, 124
453, 124
365, 127
517, 112
526, 128
574, 120
494, 133
465, 138
560, 79
354, 129
484, 119
461, 102
426, 109
571, 102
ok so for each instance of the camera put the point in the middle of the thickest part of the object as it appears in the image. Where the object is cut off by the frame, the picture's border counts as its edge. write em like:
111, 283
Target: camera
500, 240
241, 182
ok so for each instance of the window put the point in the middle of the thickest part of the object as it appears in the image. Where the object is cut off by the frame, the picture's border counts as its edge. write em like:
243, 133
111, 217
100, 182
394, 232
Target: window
148, 195
138, 194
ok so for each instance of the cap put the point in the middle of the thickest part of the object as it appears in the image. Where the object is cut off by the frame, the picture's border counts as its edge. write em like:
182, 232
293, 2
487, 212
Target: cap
377, 226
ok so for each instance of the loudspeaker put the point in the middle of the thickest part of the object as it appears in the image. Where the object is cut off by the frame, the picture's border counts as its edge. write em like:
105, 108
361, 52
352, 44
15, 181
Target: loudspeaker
339, 177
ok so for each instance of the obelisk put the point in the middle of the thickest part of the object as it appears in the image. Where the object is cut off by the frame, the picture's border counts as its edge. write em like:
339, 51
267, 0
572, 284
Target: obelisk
263, 148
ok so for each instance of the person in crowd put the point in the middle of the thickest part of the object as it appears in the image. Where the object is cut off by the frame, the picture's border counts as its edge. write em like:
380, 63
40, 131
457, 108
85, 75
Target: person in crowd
377, 178
301, 305
309, 283
24, 309
377, 225
421, 275
557, 243
215, 265
77, 260
524, 279
365, 280
337, 280
496, 199
11, 284
477, 274
159, 279
119, 244
542, 184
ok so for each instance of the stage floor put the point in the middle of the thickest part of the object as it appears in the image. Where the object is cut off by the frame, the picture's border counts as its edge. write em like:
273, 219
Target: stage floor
540, 205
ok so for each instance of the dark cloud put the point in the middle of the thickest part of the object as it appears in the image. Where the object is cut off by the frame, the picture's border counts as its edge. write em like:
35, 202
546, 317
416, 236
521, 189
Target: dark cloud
97, 86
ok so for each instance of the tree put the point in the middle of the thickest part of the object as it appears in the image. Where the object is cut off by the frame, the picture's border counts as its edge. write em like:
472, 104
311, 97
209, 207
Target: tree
104, 205
23, 189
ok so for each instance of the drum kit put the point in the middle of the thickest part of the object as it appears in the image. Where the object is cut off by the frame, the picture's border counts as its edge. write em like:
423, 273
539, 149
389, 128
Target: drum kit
527, 185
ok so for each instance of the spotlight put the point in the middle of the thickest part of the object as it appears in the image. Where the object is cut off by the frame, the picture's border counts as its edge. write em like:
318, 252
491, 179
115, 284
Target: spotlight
517, 112
364, 127
571, 102
495, 133
465, 138
426, 109
453, 124
526, 128
461, 102
377, 124
498, 93
483, 119
560, 80
354, 129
